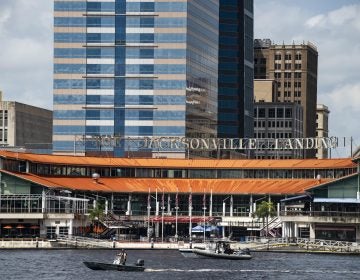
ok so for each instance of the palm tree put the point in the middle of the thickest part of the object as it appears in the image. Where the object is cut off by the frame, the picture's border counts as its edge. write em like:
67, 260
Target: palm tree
265, 210
97, 213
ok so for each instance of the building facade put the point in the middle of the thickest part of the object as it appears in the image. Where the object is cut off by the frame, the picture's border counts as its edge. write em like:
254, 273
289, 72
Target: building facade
49, 195
294, 67
236, 69
25, 126
278, 120
133, 69
322, 127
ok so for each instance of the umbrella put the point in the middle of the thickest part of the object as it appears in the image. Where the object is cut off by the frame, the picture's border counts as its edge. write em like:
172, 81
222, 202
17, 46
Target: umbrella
20, 226
7, 227
35, 227
197, 229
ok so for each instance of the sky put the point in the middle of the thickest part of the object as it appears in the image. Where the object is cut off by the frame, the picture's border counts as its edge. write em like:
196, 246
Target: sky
26, 51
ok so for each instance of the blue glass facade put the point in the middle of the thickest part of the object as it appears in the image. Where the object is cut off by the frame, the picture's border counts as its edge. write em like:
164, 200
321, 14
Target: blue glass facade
235, 111
128, 69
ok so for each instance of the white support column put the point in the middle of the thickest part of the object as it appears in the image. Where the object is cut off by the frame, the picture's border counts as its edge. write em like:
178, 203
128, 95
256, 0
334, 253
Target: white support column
128, 212
224, 209
43, 202
358, 234
296, 230
251, 206
278, 209
312, 231
231, 206
70, 232
283, 232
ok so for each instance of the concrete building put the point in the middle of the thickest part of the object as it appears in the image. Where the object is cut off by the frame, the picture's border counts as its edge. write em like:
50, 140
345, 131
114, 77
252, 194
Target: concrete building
275, 119
278, 120
25, 126
294, 68
322, 127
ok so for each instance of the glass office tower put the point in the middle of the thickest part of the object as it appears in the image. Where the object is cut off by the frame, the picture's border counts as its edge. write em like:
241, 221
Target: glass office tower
235, 107
127, 69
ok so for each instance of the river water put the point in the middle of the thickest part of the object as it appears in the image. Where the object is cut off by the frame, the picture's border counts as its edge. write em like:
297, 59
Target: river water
170, 264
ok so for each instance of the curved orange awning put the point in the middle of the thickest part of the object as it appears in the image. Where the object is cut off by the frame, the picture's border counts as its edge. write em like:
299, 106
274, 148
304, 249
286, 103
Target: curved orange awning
182, 163
199, 186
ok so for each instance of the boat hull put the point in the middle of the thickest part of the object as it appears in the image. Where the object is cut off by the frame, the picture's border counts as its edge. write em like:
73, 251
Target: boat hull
210, 254
108, 266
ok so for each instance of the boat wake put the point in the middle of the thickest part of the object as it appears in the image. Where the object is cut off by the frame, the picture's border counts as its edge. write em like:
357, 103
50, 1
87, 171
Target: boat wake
254, 270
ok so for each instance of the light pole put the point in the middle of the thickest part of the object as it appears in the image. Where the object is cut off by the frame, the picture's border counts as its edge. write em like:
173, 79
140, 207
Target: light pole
190, 217
176, 213
204, 208
148, 214
162, 216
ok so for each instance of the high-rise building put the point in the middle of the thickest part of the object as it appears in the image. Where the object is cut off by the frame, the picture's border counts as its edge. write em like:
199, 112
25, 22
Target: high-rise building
322, 127
24, 126
294, 68
236, 69
131, 69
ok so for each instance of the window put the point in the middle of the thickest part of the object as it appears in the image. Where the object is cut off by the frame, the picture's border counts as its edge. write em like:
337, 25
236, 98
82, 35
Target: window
297, 93
297, 84
280, 112
297, 66
262, 113
288, 113
277, 66
287, 66
277, 56
287, 75
277, 75
298, 56
287, 56
272, 113
279, 84
297, 75
287, 84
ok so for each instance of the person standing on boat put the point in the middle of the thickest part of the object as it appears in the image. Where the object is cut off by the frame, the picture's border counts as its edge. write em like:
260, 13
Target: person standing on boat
124, 257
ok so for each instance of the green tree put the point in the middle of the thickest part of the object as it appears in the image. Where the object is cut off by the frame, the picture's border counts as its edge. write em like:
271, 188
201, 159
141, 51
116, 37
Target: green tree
97, 213
265, 210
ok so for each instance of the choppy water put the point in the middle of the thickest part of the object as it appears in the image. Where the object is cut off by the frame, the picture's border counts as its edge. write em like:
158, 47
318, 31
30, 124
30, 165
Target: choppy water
164, 264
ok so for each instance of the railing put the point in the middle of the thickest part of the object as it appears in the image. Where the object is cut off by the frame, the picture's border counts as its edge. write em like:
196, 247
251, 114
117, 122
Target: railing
320, 213
260, 243
77, 241
38, 203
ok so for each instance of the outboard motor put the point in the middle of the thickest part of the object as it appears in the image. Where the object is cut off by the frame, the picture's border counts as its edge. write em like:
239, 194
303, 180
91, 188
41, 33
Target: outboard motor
140, 262
246, 251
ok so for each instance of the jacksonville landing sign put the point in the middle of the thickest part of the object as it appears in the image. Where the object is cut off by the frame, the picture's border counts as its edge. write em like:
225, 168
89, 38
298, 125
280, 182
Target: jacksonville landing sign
174, 143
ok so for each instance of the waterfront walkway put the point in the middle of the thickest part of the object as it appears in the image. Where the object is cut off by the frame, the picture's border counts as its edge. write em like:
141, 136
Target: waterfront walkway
254, 244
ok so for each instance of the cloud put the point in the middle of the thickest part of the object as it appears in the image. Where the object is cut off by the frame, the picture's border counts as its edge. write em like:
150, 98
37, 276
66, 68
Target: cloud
26, 51
344, 16
335, 33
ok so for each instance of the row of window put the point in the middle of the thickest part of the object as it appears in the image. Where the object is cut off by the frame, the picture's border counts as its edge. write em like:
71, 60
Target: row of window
128, 130
109, 115
273, 135
270, 112
109, 84
110, 22
129, 68
278, 124
287, 75
110, 38
277, 66
125, 6
109, 52
62, 170
287, 56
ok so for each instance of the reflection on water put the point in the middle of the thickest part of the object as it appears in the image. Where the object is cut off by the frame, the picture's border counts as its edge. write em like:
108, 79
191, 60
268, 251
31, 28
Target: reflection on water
168, 264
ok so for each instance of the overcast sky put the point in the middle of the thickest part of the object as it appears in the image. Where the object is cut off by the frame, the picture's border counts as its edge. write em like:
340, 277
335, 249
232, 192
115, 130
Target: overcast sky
332, 25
